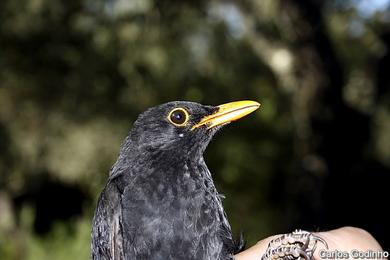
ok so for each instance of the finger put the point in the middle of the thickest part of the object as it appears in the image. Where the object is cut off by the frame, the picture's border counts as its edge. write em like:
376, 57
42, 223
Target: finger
347, 239
255, 252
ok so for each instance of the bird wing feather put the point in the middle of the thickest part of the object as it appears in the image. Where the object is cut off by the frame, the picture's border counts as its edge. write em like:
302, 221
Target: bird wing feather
107, 241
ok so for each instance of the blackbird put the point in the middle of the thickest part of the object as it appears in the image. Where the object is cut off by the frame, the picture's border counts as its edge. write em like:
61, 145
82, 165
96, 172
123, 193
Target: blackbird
160, 201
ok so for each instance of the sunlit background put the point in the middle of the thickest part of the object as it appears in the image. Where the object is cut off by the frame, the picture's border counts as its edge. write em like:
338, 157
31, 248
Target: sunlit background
75, 74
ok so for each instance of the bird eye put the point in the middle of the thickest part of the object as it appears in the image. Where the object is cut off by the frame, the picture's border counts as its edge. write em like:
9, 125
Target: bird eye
178, 116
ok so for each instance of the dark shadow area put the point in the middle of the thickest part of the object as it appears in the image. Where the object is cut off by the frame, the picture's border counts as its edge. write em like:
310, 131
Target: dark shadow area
53, 202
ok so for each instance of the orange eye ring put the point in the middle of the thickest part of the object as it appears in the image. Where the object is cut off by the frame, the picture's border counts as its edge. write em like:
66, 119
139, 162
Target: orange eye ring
178, 117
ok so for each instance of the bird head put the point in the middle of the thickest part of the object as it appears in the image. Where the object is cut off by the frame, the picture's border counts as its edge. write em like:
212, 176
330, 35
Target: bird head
184, 126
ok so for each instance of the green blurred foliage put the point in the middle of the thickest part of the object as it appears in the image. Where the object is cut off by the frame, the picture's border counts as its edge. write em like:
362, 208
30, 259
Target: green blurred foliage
74, 75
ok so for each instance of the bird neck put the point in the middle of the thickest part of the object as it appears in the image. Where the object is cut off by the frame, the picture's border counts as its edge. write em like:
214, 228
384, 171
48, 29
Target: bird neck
173, 160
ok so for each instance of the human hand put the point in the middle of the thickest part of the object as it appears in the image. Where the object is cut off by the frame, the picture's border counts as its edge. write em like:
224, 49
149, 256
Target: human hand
345, 240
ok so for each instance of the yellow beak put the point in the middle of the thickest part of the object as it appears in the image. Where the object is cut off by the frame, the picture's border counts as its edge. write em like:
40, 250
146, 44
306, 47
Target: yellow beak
228, 112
